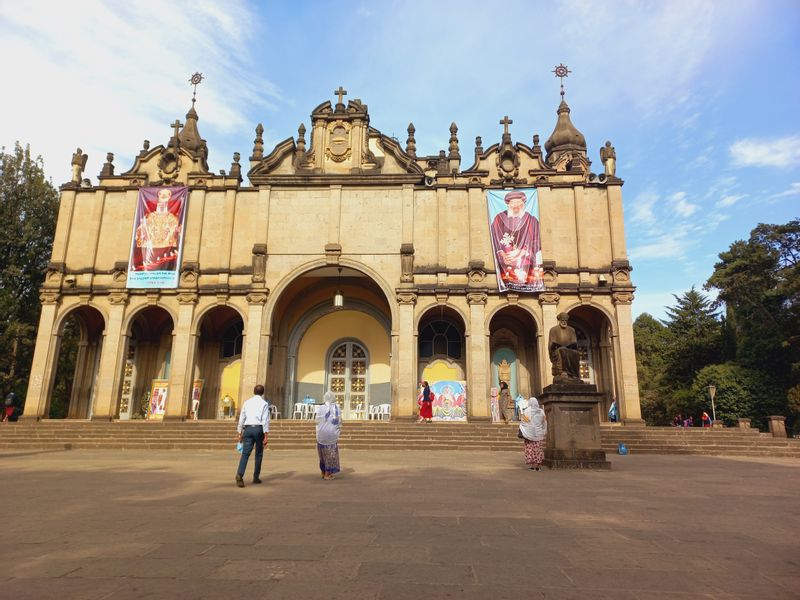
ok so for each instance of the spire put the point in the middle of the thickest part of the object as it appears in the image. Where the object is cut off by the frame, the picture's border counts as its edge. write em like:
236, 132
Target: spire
411, 143
258, 144
565, 136
454, 152
189, 137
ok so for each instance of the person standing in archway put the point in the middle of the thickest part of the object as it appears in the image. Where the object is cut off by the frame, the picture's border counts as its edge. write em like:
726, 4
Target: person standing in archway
506, 403
426, 404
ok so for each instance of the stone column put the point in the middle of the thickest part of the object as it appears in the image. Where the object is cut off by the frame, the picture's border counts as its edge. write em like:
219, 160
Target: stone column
44, 355
111, 357
181, 371
549, 303
478, 408
77, 408
252, 374
404, 356
625, 361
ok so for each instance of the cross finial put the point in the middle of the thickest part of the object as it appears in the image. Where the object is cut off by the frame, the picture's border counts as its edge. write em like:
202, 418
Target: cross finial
562, 71
505, 123
340, 92
176, 126
195, 80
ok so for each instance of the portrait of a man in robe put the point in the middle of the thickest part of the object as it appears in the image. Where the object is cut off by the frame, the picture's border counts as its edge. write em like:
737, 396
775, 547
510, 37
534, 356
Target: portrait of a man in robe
516, 240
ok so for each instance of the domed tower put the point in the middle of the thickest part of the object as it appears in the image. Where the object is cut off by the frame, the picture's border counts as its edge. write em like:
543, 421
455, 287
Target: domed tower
566, 146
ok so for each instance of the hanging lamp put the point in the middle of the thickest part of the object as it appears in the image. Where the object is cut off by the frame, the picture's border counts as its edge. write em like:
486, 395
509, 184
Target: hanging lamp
338, 298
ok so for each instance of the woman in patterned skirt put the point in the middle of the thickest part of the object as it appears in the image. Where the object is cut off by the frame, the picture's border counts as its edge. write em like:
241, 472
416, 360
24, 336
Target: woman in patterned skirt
533, 427
329, 426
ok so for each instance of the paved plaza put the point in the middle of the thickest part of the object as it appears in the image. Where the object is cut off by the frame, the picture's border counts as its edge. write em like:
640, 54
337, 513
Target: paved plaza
92, 524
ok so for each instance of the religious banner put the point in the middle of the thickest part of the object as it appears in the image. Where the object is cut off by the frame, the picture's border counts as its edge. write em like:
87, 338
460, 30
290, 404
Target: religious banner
514, 227
157, 242
158, 399
197, 391
450, 400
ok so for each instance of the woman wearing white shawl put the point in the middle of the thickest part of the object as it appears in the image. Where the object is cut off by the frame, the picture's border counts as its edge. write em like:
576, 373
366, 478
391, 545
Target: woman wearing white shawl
533, 427
329, 425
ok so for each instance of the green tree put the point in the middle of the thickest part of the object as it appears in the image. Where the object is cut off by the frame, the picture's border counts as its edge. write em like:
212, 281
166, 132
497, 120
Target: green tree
651, 342
28, 212
694, 337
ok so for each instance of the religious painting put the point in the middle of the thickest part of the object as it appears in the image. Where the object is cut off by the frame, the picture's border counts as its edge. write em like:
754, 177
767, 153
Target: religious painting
197, 391
155, 257
516, 240
158, 399
450, 400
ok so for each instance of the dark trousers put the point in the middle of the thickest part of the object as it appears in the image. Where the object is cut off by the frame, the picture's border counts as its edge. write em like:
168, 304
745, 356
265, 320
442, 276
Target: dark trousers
253, 435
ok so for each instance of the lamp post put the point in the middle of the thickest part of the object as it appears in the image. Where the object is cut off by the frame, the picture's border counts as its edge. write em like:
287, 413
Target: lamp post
712, 391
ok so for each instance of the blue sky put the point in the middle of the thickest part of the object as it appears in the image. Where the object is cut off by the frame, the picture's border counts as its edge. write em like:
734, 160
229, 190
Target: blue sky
700, 99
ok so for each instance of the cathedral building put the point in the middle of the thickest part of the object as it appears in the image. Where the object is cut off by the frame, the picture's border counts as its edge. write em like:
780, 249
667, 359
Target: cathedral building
340, 259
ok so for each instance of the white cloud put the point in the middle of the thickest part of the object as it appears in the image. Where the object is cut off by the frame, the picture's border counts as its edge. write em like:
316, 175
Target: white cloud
729, 200
794, 190
682, 206
763, 152
105, 76
642, 212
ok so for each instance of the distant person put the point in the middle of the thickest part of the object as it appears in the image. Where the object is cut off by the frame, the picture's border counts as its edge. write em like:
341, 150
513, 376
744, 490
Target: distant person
506, 403
677, 421
706, 419
9, 410
613, 414
688, 421
253, 431
533, 428
426, 404
329, 426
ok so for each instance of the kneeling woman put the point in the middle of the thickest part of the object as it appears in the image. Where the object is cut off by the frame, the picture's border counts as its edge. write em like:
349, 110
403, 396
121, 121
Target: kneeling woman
329, 426
533, 430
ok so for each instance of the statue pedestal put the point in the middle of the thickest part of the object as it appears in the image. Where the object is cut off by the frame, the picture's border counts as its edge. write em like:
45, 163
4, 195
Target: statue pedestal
573, 427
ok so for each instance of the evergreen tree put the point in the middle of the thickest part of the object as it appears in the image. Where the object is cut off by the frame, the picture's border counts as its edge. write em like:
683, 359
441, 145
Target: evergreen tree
651, 342
28, 212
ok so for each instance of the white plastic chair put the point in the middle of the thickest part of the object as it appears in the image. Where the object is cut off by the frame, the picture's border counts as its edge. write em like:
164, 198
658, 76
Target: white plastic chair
358, 411
373, 413
311, 411
299, 410
273, 412
385, 410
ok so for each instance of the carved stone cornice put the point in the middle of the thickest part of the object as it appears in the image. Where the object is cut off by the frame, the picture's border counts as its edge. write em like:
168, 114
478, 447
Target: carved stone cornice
622, 297
477, 297
333, 253
585, 297
512, 298
549, 298
257, 297
407, 297
442, 294
187, 298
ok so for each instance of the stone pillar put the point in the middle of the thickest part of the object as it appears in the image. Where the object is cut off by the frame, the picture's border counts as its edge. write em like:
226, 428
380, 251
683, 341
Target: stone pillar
744, 423
478, 407
630, 411
77, 408
111, 357
44, 355
549, 303
777, 426
252, 374
181, 371
404, 355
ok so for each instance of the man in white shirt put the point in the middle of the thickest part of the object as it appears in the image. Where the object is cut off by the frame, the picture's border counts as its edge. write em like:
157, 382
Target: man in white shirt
253, 431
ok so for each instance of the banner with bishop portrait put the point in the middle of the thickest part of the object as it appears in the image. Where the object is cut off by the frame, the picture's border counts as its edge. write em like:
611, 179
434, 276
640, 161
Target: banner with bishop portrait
516, 239
157, 243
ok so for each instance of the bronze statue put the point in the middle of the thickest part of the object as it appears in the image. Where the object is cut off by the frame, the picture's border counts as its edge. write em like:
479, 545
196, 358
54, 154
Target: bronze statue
563, 348
609, 157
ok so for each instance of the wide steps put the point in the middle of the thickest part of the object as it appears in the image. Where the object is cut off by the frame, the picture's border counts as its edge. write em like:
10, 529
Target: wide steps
372, 435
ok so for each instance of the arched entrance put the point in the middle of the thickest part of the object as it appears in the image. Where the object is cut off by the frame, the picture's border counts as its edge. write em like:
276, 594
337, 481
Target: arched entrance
218, 362
593, 330
441, 347
317, 345
147, 364
514, 352
80, 340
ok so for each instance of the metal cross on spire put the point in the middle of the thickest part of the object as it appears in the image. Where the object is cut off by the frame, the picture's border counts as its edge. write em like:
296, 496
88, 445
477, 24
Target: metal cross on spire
562, 71
195, 80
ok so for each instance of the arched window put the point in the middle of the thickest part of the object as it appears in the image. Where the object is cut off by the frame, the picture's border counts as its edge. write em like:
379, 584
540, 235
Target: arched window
231, 344
585, 349
440, 337
348, 373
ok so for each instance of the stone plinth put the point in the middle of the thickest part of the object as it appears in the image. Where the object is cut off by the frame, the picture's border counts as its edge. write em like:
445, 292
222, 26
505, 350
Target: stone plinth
777, 426
744, 423
573, 427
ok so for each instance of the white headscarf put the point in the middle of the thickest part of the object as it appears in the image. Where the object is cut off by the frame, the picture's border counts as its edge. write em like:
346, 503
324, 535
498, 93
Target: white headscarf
329, 420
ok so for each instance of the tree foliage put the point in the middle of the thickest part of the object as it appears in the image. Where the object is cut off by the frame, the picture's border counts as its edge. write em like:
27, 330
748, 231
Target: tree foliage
28, 212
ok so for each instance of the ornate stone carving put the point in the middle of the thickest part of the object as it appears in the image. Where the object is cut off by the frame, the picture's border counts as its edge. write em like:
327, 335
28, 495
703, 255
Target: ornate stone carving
236, 168
507, 158
620, 273
411, 143
622, 297
118, 298
332, 253
407, 263
108, 167
169, 164
189, 274
549, 275
259, 263
187, 298
406, 297
476, 272
476, 297
585, 297
608, 155
257, 297
442, 294
339, 148
47, 297
120, 273
78, 165
258, 144
512, 298
549, 298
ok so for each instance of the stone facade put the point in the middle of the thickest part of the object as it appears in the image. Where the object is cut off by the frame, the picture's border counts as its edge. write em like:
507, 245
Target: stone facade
404, 238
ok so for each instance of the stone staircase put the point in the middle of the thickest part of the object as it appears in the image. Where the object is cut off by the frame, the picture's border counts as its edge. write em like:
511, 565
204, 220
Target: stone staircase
374, 435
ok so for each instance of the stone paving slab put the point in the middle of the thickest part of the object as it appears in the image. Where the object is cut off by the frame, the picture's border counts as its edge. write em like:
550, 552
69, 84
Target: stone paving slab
93, 525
